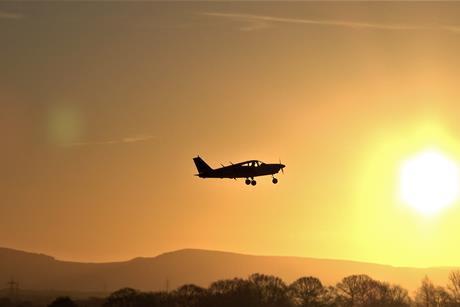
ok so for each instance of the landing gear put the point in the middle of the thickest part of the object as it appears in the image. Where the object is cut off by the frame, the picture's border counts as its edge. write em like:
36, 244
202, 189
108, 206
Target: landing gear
250, 181
274, 180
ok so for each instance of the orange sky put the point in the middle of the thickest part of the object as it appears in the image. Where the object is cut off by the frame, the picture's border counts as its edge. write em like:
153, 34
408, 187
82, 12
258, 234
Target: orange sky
103, 106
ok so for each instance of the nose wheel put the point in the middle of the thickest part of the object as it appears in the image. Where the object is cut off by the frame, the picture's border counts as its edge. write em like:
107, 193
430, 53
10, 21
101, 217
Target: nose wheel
274, 180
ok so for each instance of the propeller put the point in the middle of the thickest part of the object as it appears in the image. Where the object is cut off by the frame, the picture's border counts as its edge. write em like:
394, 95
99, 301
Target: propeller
282, 169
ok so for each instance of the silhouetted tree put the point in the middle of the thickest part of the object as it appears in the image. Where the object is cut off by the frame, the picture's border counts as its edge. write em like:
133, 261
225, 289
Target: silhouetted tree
363, 291
399, 297
233, 293
154, 299
330, 297
228, 286
307, 291
125, 297
261, 290
354, 290
386, 295
190, 295
430, 296
424, 296
63, 301
454, 287
443, 298
271, 290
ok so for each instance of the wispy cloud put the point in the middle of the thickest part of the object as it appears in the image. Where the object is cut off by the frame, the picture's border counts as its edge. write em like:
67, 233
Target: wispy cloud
255, 26
10, 15
125, 140
332, 23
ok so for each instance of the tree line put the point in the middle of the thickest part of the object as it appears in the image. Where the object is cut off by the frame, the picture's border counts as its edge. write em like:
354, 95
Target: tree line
260, 290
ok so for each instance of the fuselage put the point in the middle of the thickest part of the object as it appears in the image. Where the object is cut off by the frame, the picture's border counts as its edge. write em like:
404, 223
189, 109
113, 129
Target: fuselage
243, 171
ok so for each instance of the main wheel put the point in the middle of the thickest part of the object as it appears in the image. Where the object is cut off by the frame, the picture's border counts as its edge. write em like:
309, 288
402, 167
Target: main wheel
253, 182
248, 181
275, 181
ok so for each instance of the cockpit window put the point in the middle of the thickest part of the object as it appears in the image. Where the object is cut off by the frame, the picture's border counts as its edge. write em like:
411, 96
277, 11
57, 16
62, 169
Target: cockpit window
254, 163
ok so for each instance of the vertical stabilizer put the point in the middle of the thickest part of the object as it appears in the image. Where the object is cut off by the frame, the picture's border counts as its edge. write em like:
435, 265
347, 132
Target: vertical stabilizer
201, 166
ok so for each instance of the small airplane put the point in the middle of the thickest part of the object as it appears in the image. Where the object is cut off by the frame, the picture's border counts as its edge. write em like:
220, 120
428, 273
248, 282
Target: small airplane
247, 169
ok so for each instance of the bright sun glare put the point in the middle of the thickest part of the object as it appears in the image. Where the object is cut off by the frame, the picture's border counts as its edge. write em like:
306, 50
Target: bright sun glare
429, 181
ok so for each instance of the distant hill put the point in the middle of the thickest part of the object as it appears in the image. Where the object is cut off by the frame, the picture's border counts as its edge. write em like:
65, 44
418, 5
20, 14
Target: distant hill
39, 272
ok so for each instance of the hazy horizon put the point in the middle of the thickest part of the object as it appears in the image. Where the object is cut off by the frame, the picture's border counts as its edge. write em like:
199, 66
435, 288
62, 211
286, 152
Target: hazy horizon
225, 252
104, 105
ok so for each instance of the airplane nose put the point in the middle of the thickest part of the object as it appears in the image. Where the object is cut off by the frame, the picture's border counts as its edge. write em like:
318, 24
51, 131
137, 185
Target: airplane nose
282, 166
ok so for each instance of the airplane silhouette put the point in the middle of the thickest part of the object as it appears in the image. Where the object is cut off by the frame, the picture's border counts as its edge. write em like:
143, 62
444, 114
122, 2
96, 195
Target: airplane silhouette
247, 169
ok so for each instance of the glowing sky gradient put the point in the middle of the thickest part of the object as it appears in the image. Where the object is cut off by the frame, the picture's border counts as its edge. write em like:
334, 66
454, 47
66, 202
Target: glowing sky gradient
104, 104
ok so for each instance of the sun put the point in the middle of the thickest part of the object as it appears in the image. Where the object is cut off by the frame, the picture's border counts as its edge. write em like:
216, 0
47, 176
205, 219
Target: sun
429, 181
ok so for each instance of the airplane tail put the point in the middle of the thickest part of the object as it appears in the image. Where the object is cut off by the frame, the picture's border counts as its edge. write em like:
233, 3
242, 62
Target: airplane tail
201, 166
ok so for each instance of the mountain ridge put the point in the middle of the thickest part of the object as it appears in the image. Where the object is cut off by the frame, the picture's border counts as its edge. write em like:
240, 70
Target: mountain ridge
37, 271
